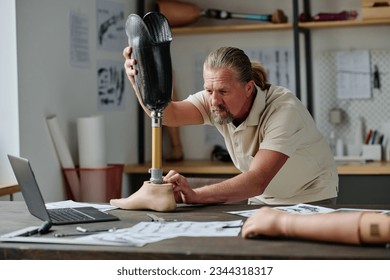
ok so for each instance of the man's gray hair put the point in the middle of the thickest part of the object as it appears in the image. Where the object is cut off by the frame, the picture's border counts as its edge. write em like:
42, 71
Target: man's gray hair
236, 59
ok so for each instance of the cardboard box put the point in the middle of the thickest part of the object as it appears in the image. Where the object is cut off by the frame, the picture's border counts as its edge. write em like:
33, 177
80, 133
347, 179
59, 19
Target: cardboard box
372, 9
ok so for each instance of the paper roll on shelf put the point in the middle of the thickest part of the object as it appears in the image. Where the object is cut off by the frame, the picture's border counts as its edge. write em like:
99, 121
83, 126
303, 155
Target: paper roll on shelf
91, 142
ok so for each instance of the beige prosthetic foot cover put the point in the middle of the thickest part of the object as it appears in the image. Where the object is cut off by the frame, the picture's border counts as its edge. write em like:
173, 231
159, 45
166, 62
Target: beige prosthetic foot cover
157, 197
333, 227
349, 228
374, 228
179, 13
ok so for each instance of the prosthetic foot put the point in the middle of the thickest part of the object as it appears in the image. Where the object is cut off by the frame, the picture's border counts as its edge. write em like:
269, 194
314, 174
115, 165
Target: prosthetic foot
157, 197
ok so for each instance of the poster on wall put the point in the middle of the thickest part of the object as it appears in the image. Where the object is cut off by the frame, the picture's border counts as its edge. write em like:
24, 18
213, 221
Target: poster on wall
79, 43
279, 63
110, 21
111, 85
353, 74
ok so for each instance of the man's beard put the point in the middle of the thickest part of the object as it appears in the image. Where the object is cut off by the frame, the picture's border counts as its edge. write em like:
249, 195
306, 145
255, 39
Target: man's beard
218, 118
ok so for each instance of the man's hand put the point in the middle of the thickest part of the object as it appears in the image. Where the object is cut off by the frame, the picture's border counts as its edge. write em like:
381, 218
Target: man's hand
131, 72
182, 190
129, 65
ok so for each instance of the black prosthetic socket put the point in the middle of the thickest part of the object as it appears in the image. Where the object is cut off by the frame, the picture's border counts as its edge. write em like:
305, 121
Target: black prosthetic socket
150, 40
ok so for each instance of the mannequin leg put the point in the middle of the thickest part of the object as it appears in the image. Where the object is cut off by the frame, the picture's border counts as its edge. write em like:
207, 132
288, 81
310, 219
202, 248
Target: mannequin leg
349, 228
157, 197
374, 228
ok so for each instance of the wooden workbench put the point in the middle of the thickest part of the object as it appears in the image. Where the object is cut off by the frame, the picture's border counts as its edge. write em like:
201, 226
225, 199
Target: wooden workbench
9, 189
360, 182
14, 215
364, 168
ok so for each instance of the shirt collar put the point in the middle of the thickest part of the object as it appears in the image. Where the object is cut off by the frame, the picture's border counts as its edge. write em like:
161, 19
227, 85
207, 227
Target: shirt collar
257, 109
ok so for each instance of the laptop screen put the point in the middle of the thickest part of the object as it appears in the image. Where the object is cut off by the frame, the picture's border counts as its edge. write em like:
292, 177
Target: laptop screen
29, 186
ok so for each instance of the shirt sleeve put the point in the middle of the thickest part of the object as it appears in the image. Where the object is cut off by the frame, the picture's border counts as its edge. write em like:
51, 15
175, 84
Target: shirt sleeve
284, 131
200, 101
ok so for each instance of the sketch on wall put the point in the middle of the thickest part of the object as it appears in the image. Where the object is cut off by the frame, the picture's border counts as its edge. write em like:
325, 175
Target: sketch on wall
79, 43
110, 25
353, 74
111, 85
279, 63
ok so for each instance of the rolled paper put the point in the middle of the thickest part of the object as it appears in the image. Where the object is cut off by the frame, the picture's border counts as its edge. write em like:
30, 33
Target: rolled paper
91, 142
59, 143
64, 156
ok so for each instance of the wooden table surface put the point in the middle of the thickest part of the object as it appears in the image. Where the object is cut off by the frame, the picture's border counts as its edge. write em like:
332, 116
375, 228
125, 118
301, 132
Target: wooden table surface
14, 215
9, 189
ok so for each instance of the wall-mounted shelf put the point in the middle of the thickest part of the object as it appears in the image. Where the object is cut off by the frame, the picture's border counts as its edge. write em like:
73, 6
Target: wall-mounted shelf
231, 28
191, 30
343, 23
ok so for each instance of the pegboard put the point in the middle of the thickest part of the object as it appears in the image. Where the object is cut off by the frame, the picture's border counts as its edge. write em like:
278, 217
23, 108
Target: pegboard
374, 110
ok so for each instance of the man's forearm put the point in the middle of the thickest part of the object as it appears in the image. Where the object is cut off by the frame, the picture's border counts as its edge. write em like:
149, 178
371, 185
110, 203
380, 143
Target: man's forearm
238, 188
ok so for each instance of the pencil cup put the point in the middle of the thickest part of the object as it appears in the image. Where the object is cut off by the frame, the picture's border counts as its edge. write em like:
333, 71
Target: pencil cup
96, 184
372, 152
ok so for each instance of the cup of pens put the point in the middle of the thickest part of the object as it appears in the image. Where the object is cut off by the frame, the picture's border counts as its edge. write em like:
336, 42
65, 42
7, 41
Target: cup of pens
372, 152
372, 148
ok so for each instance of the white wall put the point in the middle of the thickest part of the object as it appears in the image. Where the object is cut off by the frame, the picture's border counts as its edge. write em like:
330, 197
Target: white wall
9, 125
49, 85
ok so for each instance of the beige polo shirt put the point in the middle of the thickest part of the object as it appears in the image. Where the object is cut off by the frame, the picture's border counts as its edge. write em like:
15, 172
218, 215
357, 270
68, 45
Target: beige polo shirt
279, 121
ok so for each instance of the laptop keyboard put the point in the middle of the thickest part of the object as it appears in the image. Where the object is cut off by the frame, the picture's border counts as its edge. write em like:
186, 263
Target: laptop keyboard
68, 214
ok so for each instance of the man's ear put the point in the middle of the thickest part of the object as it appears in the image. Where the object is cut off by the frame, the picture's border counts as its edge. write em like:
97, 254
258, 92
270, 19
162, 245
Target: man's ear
249, 87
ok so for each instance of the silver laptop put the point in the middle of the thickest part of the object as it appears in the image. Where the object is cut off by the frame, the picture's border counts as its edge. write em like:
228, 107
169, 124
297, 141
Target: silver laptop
36, 205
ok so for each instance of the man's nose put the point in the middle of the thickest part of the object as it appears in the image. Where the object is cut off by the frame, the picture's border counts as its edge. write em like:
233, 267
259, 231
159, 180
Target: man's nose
215, 99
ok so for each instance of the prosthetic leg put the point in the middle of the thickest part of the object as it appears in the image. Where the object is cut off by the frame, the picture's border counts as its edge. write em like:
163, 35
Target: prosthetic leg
150, 40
